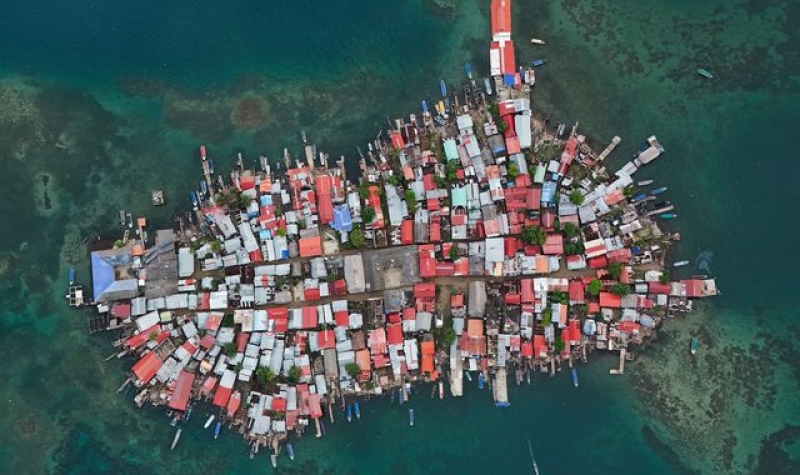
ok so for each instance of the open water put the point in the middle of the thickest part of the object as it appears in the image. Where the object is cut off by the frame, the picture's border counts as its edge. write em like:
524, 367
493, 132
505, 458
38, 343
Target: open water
100, 102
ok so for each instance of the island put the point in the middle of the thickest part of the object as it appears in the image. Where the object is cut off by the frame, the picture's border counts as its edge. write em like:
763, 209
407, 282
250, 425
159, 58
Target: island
477, 242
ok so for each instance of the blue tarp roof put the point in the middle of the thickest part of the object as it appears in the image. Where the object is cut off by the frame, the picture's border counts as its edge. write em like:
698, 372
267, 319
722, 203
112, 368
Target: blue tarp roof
342, 221
509, 79
102, 275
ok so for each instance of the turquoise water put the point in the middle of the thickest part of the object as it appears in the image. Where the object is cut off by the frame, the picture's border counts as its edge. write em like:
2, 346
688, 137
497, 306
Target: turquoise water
101, 103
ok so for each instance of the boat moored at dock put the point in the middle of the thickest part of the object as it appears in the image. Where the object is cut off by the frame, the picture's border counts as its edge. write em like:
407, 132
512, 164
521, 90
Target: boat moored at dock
539, 62
667, 216
574, 376
443, 88
645, 183
488, 86
680, 263
411, 417
658, 191
209, 421
176, 439
217, 429
357, 410
468, 70
290, 450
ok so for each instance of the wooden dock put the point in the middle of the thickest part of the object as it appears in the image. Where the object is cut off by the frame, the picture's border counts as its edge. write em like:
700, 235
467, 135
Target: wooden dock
614, 142
621, 369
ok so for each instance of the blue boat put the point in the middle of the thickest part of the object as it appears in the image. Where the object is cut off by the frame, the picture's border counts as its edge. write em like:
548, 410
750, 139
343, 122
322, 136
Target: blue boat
667, 215
357, 410
538, 62
501, 404
411, 417
349, 412
658, 191
468, 70
71, 275
469, 376
443, 87
290, 450
193, 199
447, 104
217, 429
693, 346
638, 198
424, 107
322, 426
575, 377
400, 396
203, 188
481, 380
211, 166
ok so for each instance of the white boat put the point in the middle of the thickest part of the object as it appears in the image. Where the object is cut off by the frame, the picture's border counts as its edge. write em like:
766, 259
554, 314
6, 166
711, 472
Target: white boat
176, 439
537, 41
209, 421
488, 86
274, 459
645, 182
680, 263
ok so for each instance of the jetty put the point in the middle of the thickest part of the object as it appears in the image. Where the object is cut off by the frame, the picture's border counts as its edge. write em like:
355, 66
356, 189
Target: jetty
470, 237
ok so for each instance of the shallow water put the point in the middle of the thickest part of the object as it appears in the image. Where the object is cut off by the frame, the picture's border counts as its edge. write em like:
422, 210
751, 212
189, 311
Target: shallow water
110, 102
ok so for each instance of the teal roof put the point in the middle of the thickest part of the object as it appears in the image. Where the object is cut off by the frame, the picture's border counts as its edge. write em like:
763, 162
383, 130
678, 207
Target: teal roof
458, 196
450, 149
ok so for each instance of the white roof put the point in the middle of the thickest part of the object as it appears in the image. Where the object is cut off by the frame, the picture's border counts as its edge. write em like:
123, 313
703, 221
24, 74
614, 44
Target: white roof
185, 262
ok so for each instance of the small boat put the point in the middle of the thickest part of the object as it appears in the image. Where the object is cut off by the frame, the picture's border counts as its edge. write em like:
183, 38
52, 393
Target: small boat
193, 199
705, 73
322, 426
209, 421
303, 136
290, 450
537, 41
447, 104
253, 452
274, 459
189, 412
217, 429
533, 460
441, 390
468, 70
645, 183
203, 152
122, 217
411, 417
538, 62
481, 380
176, 439
357, 410
528, 376
425, 107
662, 204
693, 346
575, 376
469, 376
680, 263
638, 198
443, 87
211, 167
391, 397
658, 191
174, 421
400, 396
203, 188
71, 275
349, 412
667, 215
488, 86
264, 162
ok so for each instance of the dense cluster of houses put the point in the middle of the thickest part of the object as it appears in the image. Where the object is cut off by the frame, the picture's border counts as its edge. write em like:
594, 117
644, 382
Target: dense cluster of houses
466, 246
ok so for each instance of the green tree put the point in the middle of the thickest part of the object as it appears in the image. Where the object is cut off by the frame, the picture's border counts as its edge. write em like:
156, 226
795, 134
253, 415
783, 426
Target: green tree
621, 289
547, 317
153, 335
571, 231
118, 244
664, 277
353, 370
294, 375
615, 270
411, 201
594, 287
357, 237
264, 375
451, 171
576, 197
573, 249
368, 214
559, 344
363, 190
534, 235
281, 232
453, 252
216, 246
239, 367
513, 171
440, 182
229, 349
244, 200
393, 180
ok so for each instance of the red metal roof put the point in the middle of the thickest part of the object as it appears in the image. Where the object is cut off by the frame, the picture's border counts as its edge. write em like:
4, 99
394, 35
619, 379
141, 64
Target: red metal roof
310, 318
598, 262
501, 16
609, 300
311, 246
539, 346
326, 339
576, 291
147, 367
407, 232
394, 334
658, 288
312, 294
526, 291
183, 389
425, 290
553, 245
436, 231
324, 203
222, 396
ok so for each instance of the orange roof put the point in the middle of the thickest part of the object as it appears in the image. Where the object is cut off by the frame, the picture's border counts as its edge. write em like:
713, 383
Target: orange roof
141, 222
475, 327
427, 347
311, 246
137, 250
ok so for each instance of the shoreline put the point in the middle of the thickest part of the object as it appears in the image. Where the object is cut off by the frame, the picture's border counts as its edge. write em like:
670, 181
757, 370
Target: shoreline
301, 189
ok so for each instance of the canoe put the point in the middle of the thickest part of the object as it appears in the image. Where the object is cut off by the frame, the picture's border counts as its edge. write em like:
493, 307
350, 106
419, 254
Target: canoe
176, 439
441, 390
411, 417
274, 459
645, 182
680, 263
71, 275
290, 450
705, 73
537, 41
658, 191
209, 421
349, 412
575, 377
217, 429
357, 410
667, 215
538, 62
693, 346
443, 87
